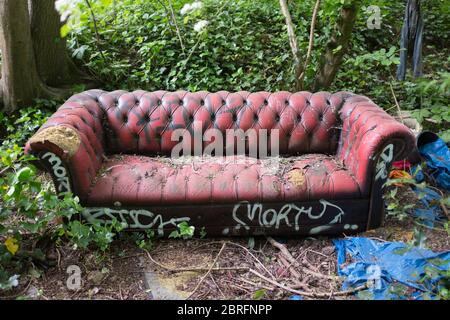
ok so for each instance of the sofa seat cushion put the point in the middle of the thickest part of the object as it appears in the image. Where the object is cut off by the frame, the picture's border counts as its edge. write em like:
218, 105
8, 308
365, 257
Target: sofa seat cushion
132, 180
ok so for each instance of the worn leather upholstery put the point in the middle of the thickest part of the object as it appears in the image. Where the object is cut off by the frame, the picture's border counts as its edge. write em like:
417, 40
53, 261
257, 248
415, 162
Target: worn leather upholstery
124, 156
140, 181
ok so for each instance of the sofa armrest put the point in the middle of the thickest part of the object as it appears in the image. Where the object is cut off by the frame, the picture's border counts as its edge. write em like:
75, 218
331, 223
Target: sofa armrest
70, 144
371, 140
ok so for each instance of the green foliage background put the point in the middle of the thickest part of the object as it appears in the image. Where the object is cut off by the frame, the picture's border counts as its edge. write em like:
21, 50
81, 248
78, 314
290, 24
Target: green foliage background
134, 44
245, 47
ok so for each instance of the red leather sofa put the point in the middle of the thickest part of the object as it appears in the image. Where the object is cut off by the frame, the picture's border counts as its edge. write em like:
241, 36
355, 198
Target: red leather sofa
113, 151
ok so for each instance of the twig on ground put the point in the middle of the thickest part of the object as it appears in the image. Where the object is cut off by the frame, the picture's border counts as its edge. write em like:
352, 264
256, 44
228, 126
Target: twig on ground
120, 292
289, 267
243, 248
208, 272
59, 259
285, 252
18, 294
217, 286
256, 284
317, 252
194, 269
305, 293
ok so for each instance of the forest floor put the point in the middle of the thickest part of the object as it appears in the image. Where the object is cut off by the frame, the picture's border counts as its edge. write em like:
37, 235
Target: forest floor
180, 269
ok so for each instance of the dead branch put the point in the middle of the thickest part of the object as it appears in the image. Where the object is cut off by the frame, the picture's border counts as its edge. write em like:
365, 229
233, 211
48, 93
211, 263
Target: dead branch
287, 255
208, 272
256, 284
193, 269
305, 293
289, 267
217, 286
243, 248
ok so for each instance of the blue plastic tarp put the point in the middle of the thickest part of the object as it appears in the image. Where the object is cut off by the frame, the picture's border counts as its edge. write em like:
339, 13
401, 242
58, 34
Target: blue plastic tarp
381, 264
437, 158
432, 212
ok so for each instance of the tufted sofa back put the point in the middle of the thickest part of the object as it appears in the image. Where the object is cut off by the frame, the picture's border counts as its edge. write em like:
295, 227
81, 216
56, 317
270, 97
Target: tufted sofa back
142, 122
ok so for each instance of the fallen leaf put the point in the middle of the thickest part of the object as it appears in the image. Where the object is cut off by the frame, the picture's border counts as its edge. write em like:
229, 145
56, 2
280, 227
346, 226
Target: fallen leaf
12, 245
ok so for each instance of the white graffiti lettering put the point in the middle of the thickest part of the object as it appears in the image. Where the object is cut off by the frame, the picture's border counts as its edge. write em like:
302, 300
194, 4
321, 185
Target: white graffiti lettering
386, 157
288, 215
134, 216
59, 171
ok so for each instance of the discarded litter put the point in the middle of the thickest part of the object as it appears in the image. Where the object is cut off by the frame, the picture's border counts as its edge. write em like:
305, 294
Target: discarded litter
432, 211
383, 265
437, 157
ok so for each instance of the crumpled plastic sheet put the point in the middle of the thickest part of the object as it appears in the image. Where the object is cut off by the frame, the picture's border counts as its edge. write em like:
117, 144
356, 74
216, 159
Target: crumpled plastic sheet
432, 212
437, 158
383, 263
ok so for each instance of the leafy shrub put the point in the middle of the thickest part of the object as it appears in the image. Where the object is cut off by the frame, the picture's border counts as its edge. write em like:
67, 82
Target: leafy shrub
30, 210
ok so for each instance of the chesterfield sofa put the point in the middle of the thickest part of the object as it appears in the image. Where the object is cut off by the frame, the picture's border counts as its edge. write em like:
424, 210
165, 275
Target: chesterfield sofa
114, 151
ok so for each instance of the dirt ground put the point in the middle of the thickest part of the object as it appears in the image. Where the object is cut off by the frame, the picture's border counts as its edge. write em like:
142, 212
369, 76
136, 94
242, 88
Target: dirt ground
120, 272
244, 268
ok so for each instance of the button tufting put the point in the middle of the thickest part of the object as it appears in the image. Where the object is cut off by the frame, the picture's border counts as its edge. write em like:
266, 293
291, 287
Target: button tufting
140, 141
277, 118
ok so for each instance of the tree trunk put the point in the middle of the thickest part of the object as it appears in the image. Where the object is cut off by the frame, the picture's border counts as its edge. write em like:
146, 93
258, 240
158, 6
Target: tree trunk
20, 83
292, 41
53, 63
341, 38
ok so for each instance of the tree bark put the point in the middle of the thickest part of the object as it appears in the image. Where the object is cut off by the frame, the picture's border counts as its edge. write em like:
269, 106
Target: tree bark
20, 83
292, 40
54, 65
341, 38
300, 69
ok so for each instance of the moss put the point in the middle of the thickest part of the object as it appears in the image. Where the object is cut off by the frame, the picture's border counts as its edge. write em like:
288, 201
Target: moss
64, 137
297, 177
